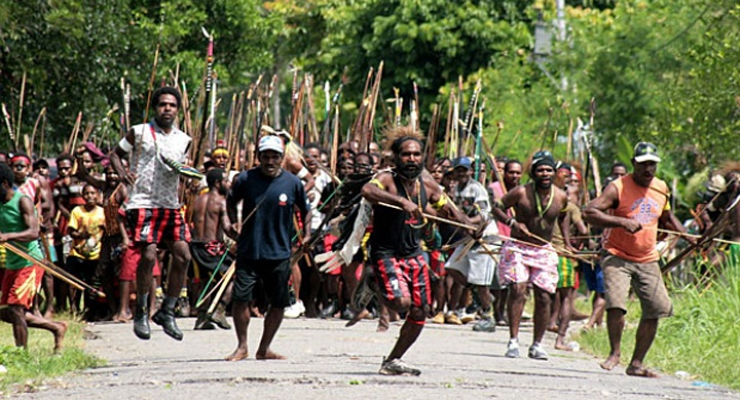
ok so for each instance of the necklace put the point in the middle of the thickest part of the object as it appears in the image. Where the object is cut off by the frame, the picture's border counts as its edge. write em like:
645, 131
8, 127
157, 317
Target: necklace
418, 201
541, 211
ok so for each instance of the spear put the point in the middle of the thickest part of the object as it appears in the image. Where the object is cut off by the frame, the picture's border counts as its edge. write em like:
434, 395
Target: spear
20, 109
472, 106
327, 128
208, 78
546, 128
43, 132
450, 101
42, 114
431, 143
73, 137
151, 85
373, 103
10, 127
479, 139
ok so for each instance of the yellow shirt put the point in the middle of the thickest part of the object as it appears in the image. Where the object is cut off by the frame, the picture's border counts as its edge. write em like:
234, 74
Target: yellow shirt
93, 222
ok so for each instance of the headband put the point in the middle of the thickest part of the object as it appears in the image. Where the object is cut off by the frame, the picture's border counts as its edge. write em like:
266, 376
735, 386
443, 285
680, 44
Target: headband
396, 146
19, 156
219, 151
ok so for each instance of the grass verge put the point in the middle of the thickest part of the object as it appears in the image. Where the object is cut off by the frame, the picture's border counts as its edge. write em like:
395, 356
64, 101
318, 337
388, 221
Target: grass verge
702, 338
36, 365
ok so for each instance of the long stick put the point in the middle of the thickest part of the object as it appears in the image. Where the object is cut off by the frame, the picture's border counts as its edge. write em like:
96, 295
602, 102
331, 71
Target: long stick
433, 217
43, 133
688, 235
151, 85
218, 285
20, 111
48, 268
10, 127
225, 283
35, 127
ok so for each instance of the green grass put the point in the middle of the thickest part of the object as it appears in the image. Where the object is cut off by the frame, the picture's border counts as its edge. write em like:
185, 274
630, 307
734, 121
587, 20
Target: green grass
702, 338
34, 366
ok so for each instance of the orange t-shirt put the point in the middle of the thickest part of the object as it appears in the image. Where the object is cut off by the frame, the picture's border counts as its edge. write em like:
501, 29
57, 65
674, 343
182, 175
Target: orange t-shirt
645, 205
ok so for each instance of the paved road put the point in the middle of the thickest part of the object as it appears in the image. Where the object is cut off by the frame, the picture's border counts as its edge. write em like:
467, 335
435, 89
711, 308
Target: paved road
328, 361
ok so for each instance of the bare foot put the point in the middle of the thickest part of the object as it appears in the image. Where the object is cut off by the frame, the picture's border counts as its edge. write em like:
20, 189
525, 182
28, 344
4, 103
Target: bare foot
255, 312
611, 362
49, 314
122, 318
381, 328
238, 355
564, 347
59, 336
553, 328
358, 317
269, 355
641, 372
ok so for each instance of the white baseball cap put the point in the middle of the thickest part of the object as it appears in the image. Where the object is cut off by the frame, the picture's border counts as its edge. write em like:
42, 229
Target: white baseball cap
271, 142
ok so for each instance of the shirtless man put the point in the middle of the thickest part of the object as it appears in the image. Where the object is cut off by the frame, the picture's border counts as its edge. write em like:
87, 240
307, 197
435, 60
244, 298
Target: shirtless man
209, 252
529, 257
402, 277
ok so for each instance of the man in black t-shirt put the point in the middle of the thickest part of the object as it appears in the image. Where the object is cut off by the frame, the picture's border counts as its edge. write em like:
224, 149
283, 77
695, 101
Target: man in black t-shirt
270, 195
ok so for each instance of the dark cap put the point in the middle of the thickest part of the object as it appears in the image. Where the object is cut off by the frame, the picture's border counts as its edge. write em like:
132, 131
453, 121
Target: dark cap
563, 165
542, 157
463, 162
644, 152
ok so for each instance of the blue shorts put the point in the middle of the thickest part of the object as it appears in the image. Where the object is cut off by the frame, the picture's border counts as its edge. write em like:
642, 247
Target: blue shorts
593, 275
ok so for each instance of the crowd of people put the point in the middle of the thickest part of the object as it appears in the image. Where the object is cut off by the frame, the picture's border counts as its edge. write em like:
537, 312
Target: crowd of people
375, 233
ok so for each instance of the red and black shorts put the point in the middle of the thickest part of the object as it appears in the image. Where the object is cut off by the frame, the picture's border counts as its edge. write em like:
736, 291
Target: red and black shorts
155, 225
404, 277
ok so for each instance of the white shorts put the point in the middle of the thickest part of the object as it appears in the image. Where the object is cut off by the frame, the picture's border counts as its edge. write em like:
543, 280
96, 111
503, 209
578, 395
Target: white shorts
477, 266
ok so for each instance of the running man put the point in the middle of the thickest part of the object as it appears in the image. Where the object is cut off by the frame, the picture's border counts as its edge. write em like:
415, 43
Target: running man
639, 204
529, 257
401, 273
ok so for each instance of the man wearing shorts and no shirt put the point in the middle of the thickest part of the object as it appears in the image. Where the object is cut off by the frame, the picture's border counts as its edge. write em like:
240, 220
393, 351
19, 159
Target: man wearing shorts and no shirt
639, 204
528, 258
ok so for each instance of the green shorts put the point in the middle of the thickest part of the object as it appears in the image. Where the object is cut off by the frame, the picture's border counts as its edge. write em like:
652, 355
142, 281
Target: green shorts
567, 273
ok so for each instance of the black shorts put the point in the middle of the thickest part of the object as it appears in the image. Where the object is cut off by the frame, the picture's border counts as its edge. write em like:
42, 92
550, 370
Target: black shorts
207, 257
274, 276
82, 269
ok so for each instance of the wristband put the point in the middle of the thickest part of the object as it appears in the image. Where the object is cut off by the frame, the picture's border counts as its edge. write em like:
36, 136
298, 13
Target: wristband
511, 222
125, 145
302, 173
